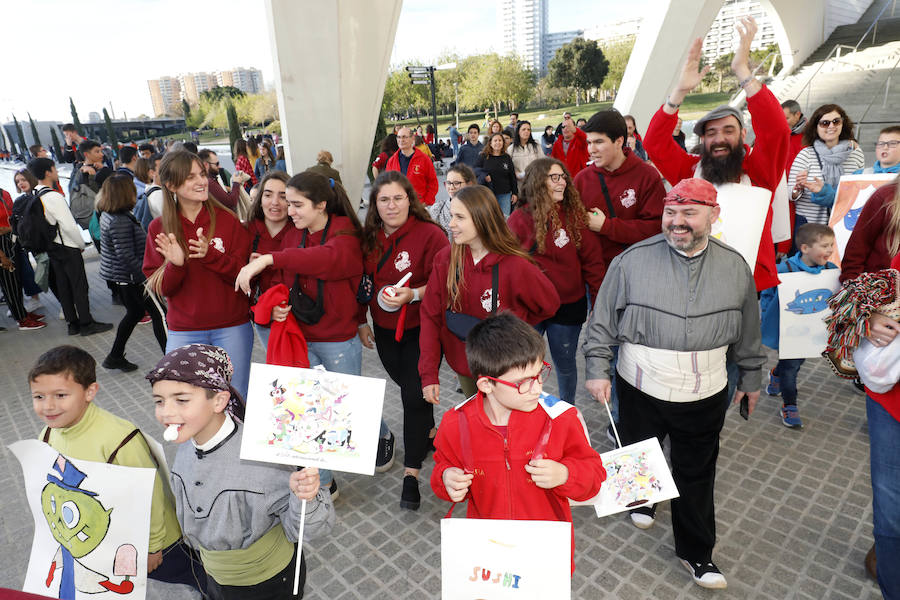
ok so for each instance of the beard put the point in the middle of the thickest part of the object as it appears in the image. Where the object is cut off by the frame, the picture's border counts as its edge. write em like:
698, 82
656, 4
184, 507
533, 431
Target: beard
695, 241
722, 169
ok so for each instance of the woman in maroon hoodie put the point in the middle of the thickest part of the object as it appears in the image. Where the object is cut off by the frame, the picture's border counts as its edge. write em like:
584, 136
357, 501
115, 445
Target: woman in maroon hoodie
552, 227
268, 227
399, 239
322, 259
483, 271
192, 255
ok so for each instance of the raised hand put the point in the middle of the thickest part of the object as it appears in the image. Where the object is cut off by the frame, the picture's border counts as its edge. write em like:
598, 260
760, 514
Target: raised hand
199, 247
167, 245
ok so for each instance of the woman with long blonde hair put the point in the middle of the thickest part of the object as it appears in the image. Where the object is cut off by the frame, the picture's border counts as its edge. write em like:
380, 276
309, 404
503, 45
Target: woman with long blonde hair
192, 255
552, 227
484, 271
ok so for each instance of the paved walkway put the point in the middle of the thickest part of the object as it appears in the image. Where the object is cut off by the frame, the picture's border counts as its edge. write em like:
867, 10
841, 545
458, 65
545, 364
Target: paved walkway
793, 507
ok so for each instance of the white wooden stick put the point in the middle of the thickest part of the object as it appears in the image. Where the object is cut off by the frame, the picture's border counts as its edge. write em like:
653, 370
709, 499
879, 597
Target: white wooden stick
299, 547
613, 423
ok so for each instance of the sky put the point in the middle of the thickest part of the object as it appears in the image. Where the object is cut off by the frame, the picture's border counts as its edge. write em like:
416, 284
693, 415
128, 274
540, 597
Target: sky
102, 51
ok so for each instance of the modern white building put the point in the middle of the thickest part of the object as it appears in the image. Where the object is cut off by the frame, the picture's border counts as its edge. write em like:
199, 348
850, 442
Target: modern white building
722, 38
523, 24
613, 32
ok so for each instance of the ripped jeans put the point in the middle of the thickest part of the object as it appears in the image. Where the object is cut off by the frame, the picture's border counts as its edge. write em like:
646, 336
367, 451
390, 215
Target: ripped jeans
563, 341
339, 357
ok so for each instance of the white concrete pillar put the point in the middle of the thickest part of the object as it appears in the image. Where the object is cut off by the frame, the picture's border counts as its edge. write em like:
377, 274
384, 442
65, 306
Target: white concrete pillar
331, 63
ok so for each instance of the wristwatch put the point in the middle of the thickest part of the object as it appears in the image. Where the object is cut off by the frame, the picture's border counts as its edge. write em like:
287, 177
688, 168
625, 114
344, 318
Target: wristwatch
415, 297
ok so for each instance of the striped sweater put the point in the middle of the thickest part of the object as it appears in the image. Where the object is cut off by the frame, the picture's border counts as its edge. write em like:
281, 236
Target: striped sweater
817, 207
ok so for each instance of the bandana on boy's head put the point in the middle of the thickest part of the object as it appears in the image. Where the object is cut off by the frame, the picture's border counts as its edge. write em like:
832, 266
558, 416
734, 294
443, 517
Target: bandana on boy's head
201, 365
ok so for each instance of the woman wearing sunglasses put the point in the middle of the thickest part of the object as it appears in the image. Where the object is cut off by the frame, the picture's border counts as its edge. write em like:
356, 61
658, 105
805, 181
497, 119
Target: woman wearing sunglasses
829, 153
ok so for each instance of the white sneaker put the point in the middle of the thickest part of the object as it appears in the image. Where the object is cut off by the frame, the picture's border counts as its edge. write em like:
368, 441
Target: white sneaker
62, 317
643, 517
706, 575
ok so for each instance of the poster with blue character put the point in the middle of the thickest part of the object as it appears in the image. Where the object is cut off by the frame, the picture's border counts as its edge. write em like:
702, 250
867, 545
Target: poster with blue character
91, 525
851, 196
803, 306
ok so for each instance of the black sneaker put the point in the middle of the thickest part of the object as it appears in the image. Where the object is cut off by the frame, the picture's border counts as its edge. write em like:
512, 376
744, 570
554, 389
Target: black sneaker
119, 362
384, 460
95, 327
332, 489
410, 497
74, 328
705, 574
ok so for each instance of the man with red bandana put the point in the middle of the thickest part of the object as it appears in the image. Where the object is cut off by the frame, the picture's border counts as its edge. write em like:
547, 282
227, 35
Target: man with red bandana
724, 158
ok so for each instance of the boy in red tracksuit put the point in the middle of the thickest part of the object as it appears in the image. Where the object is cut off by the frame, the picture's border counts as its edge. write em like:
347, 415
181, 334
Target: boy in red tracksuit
512, 451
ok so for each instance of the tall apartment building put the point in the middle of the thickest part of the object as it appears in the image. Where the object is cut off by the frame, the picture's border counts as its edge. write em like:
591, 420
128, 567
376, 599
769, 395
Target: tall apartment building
555, 41
248, 81
722, 38
165, 93
194, 84
523, 24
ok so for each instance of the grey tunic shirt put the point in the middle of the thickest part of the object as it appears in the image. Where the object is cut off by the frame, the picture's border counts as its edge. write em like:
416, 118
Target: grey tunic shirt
225, 503
654, 296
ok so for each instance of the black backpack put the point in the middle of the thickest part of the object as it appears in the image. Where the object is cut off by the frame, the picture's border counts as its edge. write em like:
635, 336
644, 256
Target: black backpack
33, 231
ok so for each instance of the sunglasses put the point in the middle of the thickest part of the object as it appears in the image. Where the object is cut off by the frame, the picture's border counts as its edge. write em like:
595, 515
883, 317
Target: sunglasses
835, 121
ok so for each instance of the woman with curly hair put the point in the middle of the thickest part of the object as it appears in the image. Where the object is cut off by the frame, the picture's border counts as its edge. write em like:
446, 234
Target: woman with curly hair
552, 227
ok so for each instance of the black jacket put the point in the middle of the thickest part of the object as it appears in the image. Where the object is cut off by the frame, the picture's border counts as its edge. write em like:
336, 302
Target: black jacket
122, 242
501, 170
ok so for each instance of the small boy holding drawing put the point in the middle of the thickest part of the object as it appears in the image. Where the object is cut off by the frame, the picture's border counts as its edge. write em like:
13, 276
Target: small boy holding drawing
511, 452
64, 385
242, 517
816, 243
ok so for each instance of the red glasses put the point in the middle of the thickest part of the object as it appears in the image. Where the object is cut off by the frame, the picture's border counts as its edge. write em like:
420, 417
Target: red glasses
526, 385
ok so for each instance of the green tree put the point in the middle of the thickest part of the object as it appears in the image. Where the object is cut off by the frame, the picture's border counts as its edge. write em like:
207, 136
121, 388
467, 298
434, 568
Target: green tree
579, 64
23, 146
111, 136
400, 95
55, 141
617, 55
75, 120
492, 80
380, 134
34, 131
221, 92
234, 128
185, 109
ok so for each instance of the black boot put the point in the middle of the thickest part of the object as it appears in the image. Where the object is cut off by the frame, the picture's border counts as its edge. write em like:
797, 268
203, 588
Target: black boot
410, 498
119, 362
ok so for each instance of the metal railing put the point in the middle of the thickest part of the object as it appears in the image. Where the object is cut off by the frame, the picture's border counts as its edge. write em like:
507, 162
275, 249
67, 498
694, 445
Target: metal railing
739, 95
887, 87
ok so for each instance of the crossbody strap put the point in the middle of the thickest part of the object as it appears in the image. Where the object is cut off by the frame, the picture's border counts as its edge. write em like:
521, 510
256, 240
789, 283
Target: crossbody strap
112, 457
609, 204
495, 281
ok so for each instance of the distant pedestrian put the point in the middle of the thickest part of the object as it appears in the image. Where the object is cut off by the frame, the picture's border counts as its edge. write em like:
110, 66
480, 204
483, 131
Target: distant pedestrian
524, 150
242, 163
388, 148
266, 160
323, 166
547, 140
469, 151
571, 147
496, 169
417, 167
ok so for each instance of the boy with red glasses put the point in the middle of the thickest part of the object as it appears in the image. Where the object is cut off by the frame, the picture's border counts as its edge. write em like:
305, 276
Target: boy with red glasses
512, 451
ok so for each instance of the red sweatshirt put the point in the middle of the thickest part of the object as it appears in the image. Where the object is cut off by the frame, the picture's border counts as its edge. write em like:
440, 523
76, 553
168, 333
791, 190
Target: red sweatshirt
420, 173
567, 267
338, 263
636, 192
867, 247
415, 245
764, 164
266, 244
522, 289
201, 292
502, 488
577, 156
891, 399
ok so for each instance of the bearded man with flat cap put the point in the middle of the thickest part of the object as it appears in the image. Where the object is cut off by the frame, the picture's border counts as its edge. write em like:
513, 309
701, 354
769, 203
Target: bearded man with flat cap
676, 304
724, 158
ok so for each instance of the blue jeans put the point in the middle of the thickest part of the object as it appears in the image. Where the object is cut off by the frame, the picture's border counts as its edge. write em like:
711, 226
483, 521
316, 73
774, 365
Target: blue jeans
237, 342
884, 456
505, 202
339, 357
563, 341
786, 370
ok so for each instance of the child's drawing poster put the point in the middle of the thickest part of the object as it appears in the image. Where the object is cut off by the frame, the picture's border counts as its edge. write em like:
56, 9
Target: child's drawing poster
852, 194
742, 217
91, 525
312, 418
802, 308
636, 475
498, 559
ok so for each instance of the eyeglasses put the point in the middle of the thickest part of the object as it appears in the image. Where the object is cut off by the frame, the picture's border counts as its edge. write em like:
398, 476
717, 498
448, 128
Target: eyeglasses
556, 177
215, 164
526, 385
454, 184
385, 200
403, 137
888, 144
835, 121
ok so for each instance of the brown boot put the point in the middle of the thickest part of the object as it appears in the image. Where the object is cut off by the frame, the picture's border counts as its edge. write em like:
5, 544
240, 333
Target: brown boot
870, 563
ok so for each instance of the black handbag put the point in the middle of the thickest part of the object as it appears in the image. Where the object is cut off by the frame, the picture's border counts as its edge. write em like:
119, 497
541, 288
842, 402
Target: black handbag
366, 288
305, 309
460, 324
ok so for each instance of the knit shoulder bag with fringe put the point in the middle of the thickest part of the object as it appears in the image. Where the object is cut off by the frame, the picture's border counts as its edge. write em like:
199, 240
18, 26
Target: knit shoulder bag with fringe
851, 306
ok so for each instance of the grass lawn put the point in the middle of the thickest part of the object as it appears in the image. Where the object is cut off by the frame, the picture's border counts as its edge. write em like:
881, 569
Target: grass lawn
694, 106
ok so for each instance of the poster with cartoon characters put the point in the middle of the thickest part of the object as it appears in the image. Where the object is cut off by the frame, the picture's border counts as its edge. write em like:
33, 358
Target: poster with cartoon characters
312, 418
636, 474
741, 218
499, 559
91, 525
852, 194
802, 308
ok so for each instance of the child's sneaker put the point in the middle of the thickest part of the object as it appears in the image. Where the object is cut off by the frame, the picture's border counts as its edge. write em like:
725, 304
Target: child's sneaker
774, 387
790, 416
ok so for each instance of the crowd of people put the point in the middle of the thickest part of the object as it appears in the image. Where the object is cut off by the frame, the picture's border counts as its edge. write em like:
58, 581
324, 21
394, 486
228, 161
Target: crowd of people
592, 223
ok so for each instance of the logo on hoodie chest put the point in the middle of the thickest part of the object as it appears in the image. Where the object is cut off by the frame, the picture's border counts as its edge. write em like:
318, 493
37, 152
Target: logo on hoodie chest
561, 238
628, 198
486, 297
218, 244
402, 262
